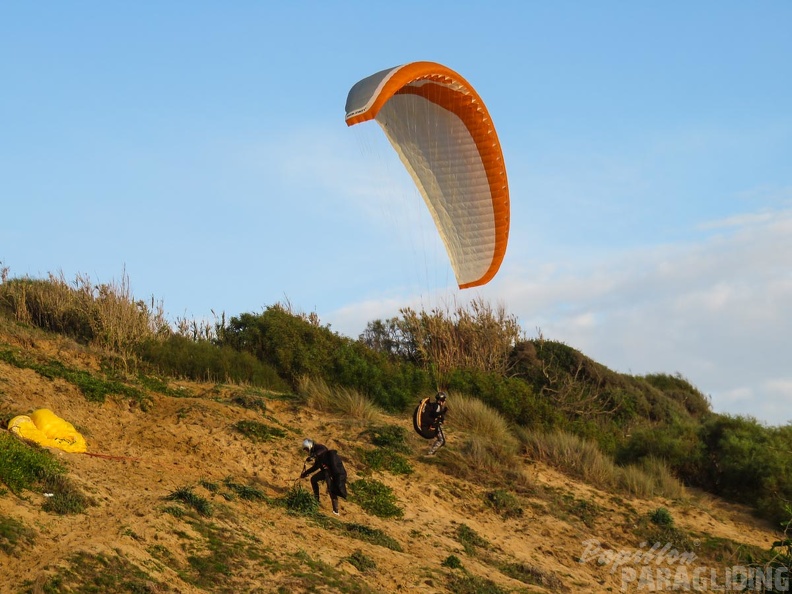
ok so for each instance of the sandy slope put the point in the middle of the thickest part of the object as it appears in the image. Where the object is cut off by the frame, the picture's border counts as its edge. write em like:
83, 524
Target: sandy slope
181, 441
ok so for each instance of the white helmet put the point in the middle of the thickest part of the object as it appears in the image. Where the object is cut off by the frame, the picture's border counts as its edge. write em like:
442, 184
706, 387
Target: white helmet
308, 445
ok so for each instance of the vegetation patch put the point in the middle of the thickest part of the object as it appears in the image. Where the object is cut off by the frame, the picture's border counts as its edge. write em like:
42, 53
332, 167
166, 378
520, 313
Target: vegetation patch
470, 540
95, 389
376, 498
108, 574
251, 400
565, 504
471, 584
528, 574
25, 467
258, 432
368, 534
321, 577
186, 496
203, 360
504, 503
300, 501
159, 385
14, 535
216, 560
340, 400
246, 492
452, 561
658, 527
391, 437
361, 561
386, 460
662, 517
63, 497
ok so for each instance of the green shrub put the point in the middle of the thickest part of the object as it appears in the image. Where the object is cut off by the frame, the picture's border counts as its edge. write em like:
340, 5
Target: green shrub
376, 498
748, 463
202, 360
452, 561
296, 345
678, 444
661, 516
681, 390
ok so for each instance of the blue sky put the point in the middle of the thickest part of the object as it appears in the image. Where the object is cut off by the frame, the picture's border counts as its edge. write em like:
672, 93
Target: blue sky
201, 148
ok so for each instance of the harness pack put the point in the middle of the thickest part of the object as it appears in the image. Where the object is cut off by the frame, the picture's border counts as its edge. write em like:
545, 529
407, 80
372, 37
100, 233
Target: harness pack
423, 423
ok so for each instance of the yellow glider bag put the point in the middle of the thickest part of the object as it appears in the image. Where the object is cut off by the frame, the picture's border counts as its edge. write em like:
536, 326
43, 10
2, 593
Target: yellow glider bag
47, 429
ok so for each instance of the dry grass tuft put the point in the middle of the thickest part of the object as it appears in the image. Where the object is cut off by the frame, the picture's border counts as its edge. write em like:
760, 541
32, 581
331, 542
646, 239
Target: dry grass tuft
583, 459
473, 416
350, 403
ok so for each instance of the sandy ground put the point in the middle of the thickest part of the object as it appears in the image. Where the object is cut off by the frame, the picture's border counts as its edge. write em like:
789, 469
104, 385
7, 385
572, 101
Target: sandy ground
181, 441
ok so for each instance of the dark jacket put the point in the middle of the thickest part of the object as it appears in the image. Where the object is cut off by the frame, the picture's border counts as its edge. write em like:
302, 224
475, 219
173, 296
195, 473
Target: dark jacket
329, 462
437, 412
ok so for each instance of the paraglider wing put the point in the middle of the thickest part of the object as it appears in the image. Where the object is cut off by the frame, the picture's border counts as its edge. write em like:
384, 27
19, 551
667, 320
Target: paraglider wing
444, 136
422, 422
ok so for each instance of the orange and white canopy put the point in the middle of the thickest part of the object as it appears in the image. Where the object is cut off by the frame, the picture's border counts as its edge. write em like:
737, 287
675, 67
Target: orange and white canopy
445, 137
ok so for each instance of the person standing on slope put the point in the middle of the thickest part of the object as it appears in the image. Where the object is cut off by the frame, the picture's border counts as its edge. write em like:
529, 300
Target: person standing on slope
330, 469
437, 411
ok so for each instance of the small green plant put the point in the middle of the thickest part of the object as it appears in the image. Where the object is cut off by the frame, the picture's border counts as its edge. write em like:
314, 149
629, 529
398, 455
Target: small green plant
361, 562
370, 535
186, 496
246, 492
174, 510
386, 460
504, 503
658, 527
453, 562
392, 437
258, 431
300, 501
470, 539
662, 517
209, 486
376, 498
